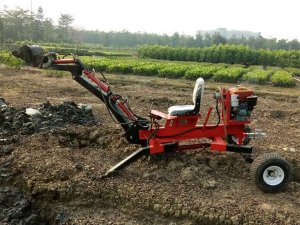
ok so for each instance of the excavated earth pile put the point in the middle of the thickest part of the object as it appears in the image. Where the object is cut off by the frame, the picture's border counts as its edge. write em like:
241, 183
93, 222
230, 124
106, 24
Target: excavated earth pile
51, 159
16, 206
26, 121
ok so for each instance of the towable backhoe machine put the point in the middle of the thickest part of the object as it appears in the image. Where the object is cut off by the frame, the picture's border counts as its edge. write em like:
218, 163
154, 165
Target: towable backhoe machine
181, 130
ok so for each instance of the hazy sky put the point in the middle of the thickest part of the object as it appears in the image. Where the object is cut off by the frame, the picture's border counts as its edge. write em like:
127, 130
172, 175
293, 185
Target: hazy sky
273, 18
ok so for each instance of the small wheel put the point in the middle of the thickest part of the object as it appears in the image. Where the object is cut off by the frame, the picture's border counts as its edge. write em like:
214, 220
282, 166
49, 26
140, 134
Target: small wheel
231, 139
270, 172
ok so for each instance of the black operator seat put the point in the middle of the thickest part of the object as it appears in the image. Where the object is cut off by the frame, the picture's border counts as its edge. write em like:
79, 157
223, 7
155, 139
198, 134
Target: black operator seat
188, 110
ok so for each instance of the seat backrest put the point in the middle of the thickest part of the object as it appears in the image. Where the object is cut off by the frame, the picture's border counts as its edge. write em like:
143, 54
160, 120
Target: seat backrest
198, 89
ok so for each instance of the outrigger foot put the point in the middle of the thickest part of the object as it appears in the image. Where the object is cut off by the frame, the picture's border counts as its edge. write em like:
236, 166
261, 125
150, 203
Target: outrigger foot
125, 162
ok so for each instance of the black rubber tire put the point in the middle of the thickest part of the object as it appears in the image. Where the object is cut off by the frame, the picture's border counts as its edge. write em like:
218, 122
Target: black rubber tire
231, 138
270, 160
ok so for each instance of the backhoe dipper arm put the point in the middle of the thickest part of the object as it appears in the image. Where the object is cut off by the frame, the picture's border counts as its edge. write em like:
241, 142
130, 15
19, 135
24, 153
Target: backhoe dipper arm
116, 105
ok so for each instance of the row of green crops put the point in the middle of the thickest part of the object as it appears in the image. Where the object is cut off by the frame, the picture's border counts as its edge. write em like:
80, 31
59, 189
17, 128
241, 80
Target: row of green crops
11, 61
258, 76
282, 79
215, 72
231, 54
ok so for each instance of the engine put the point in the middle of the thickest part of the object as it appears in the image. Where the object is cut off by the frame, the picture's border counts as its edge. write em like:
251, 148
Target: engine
242, 102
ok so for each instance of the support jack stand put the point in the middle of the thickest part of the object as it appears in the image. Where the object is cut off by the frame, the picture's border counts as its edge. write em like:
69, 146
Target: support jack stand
125, 162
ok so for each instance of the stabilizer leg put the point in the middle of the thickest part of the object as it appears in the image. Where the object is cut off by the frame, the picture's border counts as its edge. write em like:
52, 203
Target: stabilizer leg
128, 160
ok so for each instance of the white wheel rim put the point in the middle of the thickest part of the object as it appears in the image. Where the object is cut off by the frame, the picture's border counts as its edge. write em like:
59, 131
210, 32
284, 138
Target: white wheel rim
273, 175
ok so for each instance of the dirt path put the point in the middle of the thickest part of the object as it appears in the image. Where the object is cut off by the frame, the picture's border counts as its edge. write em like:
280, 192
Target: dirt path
55, 171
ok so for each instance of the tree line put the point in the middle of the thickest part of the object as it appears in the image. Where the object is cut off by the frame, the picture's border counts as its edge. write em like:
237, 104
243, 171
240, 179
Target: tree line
19, 25
22, 25
224, 53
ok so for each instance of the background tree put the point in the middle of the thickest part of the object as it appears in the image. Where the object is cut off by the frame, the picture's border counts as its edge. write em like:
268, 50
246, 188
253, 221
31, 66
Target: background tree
175, 39
38, 28
282, 44
218, 39
1, 29
16, 24
48, 30
64, 23
199, 40
207, 40
294, 44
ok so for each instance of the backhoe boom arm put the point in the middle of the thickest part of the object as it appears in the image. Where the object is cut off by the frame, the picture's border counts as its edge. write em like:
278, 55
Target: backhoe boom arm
116, 105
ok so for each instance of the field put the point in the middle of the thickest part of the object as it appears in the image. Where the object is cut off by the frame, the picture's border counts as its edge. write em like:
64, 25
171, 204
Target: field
50, 176
187, 68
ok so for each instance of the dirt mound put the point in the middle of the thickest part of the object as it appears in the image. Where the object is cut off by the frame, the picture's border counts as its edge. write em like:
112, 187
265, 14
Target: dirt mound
17, 207
91, 136
25, 121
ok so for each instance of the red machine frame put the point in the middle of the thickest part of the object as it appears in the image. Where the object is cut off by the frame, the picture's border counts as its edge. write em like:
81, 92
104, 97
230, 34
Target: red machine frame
153, 137
181, 130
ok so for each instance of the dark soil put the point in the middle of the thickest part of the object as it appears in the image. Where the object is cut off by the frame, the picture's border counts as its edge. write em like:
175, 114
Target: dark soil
50, 174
